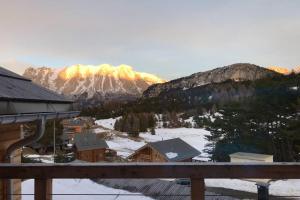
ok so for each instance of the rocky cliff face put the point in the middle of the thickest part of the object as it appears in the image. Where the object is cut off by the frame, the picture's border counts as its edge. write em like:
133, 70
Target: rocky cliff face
101, 81
236, 72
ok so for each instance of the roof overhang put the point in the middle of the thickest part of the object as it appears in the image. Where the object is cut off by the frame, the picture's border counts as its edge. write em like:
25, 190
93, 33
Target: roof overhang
24, 118
16, 107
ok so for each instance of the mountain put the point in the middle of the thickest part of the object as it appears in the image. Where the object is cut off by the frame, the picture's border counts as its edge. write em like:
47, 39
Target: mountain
88, 81
281, 70
297, 70
236, 72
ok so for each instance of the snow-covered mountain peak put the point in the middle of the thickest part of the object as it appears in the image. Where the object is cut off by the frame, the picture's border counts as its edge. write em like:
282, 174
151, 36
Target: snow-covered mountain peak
93, 79
122, 72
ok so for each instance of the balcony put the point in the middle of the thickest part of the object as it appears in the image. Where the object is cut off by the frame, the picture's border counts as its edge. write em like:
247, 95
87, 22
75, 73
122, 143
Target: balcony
197, 172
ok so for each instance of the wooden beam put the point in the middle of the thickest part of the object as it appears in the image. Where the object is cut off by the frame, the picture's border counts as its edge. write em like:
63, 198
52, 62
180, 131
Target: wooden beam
49, 189
42, 189
151, 170
197, 189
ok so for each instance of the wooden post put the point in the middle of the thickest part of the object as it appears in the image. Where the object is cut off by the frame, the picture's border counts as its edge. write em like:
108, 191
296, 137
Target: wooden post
43, 189
197, 189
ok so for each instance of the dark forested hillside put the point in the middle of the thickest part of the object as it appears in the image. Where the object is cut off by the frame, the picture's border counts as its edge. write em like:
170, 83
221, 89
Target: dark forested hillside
218, 94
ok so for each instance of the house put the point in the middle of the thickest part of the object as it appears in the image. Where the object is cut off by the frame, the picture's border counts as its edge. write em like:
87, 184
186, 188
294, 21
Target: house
21, 102
250, 157
76, 126
173, 150
90, 147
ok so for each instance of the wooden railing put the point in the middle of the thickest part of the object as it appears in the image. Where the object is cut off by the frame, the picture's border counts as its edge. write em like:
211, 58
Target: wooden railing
196, 171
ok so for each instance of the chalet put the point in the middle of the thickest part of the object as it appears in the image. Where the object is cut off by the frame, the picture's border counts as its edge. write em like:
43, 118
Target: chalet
78, 124
89, 147
21, 102
173, 150
75, 126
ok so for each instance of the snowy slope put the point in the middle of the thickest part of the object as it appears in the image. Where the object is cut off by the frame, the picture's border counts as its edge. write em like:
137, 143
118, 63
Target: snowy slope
81, 186
107, 123
126, 146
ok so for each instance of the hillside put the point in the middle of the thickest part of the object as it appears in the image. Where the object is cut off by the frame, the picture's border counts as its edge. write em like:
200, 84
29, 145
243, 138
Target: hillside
235, 72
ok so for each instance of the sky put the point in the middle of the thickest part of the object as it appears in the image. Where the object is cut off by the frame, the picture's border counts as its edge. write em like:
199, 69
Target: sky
169, 38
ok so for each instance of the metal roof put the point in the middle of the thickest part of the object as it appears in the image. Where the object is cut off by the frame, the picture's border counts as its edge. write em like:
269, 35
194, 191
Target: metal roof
14, 87
175, 149
7, 73
89, 141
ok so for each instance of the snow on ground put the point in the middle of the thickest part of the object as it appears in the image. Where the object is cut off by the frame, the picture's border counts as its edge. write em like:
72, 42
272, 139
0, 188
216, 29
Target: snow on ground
288, 187
294, 88
126, 146
81, 186
196, 138
191, 121
41, 158
99, 130
107, 123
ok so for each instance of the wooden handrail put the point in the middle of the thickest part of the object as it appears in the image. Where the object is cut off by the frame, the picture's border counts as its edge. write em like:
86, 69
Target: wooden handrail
196, 171
151, 170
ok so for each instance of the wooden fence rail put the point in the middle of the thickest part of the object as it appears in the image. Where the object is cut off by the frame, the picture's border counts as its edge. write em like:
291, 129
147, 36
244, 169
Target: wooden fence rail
196, 171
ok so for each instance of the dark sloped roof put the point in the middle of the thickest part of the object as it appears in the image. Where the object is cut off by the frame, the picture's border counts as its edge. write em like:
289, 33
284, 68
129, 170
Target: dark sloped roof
7, 73
89, 141
175, 149
17, 88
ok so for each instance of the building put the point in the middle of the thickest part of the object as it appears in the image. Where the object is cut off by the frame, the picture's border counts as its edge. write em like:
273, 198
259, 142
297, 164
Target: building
90, 147
75, 126
78, 124
243, 157
250, 157
21, 102
173, 150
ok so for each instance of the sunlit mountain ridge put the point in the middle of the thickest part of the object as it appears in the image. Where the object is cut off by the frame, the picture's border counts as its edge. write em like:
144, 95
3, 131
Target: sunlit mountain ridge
93, 79
118, 72
283, 70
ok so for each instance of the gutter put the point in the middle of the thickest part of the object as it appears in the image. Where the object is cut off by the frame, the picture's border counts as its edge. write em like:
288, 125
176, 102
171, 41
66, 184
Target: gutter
41, 119
23, 118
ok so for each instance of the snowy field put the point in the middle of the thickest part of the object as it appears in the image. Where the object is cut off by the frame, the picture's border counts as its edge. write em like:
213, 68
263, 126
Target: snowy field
81, 186
107, 123
125, 146
196, 138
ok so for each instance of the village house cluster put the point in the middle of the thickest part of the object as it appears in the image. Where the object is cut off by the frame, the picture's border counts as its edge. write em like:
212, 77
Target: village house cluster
92, 147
